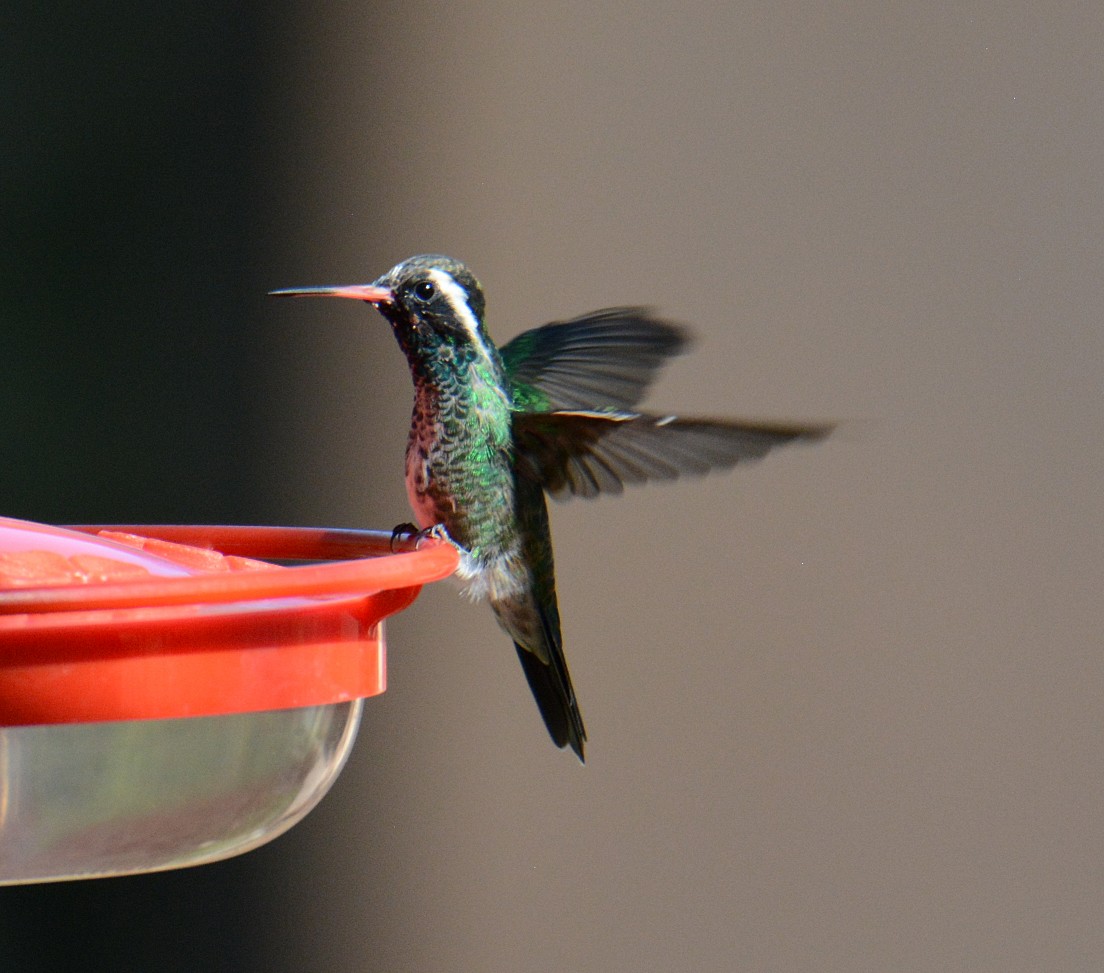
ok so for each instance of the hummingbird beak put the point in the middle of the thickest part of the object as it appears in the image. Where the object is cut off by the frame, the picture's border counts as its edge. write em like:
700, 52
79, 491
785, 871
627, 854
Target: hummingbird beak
357, 292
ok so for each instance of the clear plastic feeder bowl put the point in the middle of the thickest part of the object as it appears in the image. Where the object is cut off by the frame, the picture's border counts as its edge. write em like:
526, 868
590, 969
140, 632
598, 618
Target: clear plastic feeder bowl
163, 706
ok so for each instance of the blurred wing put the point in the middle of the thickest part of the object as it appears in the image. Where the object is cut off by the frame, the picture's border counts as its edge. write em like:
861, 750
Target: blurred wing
603, 360
587, 453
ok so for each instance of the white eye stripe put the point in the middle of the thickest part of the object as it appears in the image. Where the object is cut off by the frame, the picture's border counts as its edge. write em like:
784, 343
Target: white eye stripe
458, 301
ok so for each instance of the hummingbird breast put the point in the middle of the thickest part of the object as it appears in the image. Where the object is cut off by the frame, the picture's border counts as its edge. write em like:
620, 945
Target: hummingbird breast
460, 473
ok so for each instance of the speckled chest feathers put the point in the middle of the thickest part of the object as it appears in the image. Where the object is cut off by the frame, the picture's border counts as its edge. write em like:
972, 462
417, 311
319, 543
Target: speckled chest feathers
459, 458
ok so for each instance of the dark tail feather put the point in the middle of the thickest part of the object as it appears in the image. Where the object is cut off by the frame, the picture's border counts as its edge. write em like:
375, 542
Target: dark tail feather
558, 709
530, 615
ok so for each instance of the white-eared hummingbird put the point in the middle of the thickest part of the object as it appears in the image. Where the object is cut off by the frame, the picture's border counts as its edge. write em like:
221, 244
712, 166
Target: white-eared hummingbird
495, 429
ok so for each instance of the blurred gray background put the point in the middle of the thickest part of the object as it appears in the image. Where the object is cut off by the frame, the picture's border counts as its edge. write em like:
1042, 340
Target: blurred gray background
845, 706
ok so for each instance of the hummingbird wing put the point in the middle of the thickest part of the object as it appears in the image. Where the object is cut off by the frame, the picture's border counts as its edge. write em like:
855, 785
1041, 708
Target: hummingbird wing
587, 453
606, 359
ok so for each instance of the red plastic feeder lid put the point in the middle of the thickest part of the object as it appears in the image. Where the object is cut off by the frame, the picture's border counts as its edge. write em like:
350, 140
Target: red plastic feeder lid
185, 621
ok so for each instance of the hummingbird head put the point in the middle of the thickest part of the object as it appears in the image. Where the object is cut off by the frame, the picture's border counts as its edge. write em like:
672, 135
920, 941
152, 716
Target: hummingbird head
433, 303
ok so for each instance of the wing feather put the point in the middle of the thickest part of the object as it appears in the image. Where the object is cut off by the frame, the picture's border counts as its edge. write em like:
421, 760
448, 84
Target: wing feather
584, 453
606, 359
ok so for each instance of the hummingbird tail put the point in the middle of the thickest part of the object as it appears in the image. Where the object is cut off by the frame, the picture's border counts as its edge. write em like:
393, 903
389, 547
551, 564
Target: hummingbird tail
533, 624
559, 711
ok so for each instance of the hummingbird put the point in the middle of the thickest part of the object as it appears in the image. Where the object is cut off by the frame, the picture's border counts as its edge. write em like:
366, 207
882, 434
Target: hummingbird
552, 412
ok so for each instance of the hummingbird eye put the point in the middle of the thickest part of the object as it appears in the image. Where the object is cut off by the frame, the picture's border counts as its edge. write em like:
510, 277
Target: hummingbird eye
424, 290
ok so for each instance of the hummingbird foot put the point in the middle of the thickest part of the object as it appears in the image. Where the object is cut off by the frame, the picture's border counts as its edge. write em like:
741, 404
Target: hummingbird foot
437, 532
405, 529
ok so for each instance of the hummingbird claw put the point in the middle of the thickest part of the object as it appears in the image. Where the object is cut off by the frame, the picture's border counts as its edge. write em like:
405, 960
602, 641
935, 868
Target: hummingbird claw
437, 532
405, 529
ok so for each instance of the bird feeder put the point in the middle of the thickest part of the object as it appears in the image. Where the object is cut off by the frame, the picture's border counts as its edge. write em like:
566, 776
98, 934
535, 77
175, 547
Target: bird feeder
167, 699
